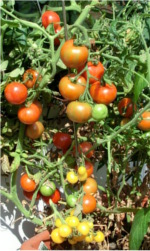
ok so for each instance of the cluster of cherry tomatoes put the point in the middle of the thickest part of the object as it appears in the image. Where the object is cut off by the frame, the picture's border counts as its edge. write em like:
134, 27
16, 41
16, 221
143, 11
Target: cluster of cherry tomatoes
74, 231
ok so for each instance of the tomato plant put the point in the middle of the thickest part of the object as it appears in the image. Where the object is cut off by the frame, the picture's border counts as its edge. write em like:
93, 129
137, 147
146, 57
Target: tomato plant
70, 89
62, 140
16, 93
27, 183
73, 56
50, 17
95, 69
103, 94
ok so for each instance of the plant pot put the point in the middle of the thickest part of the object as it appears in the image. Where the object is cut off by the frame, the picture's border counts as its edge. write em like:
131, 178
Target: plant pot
34, 242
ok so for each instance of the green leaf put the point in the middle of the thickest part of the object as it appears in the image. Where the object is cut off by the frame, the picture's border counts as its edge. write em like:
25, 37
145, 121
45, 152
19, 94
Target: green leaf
3, 65
15, 73
61, 64
139, 85
139, 228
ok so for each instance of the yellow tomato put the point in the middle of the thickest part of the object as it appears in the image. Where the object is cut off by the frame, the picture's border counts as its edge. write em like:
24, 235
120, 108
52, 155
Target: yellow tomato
72, 221
65, 230
83, 228
90, 223
82, 177
58, 222
81, 170
89, 238
99, 237
56, 238
72, 241
72, 177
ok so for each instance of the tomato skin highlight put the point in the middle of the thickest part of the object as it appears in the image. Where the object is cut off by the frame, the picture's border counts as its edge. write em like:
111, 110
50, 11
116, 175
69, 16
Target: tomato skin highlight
29, 115
35, 130
79, 112
62, 140
73, 56
72, 90
144, 124
103, 94
89, 204
55, 197
27, 184
30, 77
15, 93
50, 17
125, 107
96, 70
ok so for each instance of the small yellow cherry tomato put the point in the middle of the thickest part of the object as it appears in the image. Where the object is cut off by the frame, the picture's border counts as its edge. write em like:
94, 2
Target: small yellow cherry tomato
65, 230
89, 238
72, 241
82, 177
58, 222
79, 238
81, 170
83, 228
72, 177
99, 237
90, 223
56, 238
72, 221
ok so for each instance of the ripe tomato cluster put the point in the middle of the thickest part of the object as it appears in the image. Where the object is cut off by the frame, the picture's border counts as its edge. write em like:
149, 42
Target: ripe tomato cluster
16, 93
47, 191
74, 231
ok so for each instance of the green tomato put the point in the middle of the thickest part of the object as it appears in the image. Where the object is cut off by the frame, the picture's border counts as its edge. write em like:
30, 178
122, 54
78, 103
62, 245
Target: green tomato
71, 200
48, 188
99, 112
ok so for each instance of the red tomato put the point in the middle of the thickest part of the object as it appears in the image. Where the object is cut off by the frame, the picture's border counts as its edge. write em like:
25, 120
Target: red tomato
89, 168
56, 40
29, 195
83, 148
29, 115
73, 56
71, 90
144, 124
125, 107
62, 140
27, 184
96, 70
30, 77
79, 112
89, 204
35, 130
55, 197
103, 94
15, 93
90, 186
50, 17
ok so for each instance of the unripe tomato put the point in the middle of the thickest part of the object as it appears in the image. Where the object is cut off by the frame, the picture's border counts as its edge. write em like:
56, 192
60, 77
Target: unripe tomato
103, 94
47, 188
55, 197
55, 236
99, 237
62, 140
99, 112
89, 204
15, 93
79, 112
144, 124
90, 186
50, 17
96, 70
83, 228
126, 107
29, 115
70, 89
72, 177
27, 184
82, 170
35, 130
71, 200
73, 56
65, 230
30, 77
